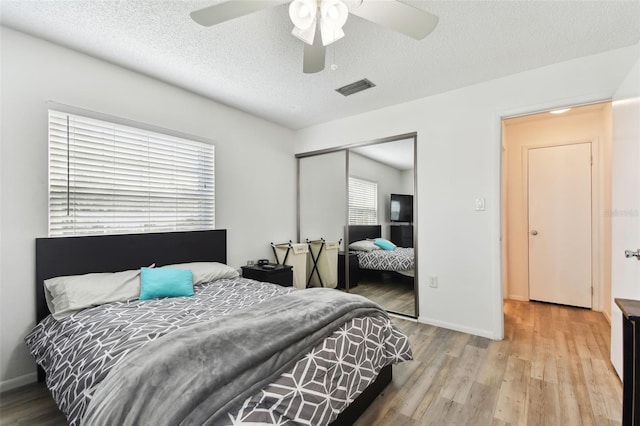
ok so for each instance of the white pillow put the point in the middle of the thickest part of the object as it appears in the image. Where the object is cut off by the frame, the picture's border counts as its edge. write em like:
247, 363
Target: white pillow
70, 294
363, 245
204, 272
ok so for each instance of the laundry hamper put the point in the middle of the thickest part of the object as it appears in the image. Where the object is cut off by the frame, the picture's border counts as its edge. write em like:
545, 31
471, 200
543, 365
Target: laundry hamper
322, 263
293, 254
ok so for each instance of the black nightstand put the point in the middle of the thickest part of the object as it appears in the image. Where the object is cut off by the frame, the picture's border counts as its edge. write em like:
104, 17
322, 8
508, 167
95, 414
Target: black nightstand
281, 274
402, 235
354, 269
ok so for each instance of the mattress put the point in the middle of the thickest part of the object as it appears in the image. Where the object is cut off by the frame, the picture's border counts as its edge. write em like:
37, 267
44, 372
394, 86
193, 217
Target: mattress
400, 259
78, 353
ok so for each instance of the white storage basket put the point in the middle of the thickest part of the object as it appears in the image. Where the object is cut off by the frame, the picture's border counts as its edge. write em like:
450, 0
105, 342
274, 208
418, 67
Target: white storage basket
322, 263
294, 254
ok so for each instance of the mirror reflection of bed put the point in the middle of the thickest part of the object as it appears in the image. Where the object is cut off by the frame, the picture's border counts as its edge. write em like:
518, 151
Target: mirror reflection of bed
386, 276
383, 276
330, 201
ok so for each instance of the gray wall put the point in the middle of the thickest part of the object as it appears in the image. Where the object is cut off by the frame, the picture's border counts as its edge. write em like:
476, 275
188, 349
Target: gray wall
459, 160
389, 180
251, 155
323, 202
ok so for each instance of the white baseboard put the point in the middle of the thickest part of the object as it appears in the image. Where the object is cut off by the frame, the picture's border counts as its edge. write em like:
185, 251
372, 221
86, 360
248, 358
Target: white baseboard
607, 316
402, 317
16, 382
456, 327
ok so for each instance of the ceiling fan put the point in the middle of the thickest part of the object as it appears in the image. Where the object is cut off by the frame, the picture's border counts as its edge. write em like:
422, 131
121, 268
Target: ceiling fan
319, 22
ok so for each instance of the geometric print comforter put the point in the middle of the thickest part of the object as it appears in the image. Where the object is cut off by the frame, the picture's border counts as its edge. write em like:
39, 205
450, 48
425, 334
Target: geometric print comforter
78, 352
399, 259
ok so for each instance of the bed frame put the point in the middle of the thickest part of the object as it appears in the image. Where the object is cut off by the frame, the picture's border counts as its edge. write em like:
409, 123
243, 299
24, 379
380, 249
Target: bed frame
62, 256
112, 253
370, 232
364, 232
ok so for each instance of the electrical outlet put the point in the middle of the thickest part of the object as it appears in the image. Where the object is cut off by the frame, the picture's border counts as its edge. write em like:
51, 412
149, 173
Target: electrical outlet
433, 281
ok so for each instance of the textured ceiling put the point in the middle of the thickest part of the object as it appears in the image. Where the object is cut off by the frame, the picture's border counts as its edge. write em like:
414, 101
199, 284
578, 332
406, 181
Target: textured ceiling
254, 64
397, 154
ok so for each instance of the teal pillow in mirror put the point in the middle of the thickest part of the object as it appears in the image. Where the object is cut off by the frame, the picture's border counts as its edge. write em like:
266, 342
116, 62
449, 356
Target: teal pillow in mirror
165, 282
384, 244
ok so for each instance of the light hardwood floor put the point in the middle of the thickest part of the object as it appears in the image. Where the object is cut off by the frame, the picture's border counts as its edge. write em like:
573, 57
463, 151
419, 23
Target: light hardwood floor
392, 291
552, 369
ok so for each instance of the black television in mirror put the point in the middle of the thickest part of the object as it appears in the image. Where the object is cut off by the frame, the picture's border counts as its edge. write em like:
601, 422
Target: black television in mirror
401, 208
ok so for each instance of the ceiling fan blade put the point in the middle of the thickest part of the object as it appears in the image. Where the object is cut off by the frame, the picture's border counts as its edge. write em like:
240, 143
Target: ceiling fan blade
401, 17
315, 55
228, 10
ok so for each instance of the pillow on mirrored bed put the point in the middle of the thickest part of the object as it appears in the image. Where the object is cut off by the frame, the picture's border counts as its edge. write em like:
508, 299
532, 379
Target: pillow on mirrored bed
363, 245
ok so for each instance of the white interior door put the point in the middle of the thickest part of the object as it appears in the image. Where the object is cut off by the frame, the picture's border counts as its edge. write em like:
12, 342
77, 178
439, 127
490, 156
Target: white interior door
560, 224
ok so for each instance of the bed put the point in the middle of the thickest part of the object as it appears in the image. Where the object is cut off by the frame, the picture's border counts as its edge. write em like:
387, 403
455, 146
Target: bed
102, 364
400, 259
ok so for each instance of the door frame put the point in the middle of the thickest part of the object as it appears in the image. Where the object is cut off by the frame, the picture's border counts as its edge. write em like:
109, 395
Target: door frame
596, 200
501, 265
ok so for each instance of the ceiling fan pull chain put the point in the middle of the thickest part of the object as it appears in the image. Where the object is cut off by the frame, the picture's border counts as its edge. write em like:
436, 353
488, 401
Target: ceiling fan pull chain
334, 66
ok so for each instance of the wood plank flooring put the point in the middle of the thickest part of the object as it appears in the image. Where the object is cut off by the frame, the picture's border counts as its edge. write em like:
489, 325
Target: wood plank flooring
392, 291
552, 369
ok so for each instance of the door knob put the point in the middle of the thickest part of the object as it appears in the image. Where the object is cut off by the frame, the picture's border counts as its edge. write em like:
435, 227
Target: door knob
631, 253
534, 232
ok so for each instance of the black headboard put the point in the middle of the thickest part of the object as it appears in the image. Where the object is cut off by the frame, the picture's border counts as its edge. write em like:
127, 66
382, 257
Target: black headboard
112, 253
364, 232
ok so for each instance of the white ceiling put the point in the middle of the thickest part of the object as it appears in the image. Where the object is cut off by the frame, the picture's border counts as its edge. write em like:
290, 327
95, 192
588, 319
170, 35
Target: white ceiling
254, 64
397, 154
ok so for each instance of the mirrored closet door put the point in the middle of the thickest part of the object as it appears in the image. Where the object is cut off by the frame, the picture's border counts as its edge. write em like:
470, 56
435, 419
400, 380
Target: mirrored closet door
322, 194
322, 211
366, 194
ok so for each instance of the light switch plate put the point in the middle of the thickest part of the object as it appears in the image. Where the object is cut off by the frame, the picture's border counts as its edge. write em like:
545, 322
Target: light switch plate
480, 204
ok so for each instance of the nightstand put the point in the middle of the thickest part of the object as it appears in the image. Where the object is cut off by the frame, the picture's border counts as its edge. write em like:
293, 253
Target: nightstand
401, 235
354, 269
281, 274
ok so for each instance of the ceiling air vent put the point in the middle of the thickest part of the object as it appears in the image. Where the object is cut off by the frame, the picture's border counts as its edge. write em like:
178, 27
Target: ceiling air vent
356, 87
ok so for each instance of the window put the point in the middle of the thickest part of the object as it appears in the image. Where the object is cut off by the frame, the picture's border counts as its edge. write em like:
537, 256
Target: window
109, 178
363, 202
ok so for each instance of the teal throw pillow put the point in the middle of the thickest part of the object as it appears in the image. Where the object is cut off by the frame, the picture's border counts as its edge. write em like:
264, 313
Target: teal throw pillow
384, 244
165, 282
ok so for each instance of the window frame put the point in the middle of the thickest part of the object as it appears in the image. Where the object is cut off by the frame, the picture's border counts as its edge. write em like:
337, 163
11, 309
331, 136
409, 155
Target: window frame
192, 194
362, 218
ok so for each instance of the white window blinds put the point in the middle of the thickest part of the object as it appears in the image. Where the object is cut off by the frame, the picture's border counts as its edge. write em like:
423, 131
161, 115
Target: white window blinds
363, 202
107, 178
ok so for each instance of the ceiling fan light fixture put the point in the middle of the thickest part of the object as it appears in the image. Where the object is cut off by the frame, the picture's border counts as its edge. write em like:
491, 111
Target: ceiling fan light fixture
333, 16
326, 17
352, 4
306, 35
303, 13
330, 35
334, 13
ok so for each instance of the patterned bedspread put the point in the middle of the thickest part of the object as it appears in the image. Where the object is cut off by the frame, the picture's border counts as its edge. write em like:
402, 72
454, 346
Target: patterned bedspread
400, 259
78, 353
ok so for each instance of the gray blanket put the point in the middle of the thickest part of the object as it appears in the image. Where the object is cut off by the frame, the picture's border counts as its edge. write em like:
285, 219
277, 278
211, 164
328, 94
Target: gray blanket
194, 375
